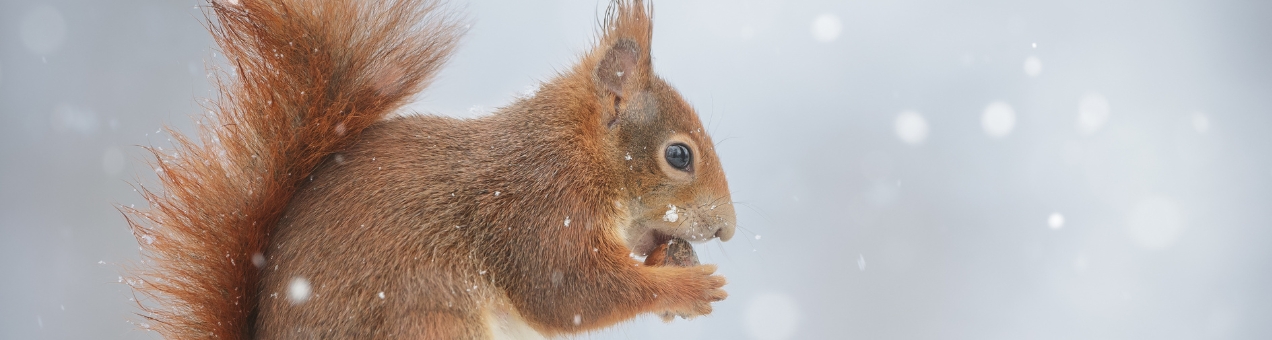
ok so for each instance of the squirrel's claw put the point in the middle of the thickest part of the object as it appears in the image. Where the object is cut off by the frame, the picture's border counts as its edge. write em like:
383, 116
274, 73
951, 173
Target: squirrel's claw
693, 293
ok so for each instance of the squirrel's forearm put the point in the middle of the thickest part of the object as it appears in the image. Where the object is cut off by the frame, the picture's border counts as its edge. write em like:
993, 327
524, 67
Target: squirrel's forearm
616, 288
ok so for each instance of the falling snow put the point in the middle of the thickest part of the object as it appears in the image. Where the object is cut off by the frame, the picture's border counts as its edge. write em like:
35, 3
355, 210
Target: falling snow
998, 119
1093, 112
258, 260
1138, 189
1033, 66
826, 27
298, 290
1055, 221
911, 127
1200, 122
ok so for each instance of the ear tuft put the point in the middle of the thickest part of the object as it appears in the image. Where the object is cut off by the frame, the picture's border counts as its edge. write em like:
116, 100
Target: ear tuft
618, 64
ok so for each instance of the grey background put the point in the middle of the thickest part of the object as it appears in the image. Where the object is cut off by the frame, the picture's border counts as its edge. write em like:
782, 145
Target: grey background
849, 231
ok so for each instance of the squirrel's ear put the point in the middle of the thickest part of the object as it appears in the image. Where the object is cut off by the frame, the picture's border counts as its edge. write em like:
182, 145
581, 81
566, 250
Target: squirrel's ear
619, 66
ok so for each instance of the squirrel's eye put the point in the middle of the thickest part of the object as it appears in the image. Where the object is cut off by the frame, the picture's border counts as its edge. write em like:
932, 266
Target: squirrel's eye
678, 156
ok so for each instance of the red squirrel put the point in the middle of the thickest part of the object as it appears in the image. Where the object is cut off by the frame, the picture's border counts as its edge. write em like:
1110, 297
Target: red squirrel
306, 211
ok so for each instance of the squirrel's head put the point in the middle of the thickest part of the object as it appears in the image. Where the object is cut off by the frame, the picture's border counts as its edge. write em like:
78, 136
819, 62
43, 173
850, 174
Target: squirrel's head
673, 185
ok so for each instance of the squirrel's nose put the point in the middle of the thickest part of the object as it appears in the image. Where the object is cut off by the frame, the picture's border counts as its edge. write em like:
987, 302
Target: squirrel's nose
725, 233
728, 221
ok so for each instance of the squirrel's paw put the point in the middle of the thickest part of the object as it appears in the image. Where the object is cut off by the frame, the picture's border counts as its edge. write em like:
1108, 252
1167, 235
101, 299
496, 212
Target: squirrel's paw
692, 293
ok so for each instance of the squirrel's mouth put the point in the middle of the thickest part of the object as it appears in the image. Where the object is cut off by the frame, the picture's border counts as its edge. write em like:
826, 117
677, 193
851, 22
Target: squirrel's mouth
649, 240
645, 235
675, 250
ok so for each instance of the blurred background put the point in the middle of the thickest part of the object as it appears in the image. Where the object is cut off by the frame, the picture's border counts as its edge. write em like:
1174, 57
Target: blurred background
905, 169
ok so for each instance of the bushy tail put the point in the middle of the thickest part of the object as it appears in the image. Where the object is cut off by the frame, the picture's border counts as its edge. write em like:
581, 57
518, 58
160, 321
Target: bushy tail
305, 77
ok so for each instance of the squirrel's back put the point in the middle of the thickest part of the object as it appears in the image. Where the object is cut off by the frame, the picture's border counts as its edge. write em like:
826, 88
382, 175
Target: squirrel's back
304, 78
409, 230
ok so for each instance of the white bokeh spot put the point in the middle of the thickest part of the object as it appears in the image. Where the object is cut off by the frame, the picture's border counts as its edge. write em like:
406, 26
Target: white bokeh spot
772, 316
298, 290
911, 127
826, 27
998, 120
1055, 221
1033, 66
1200, 122
1155, 223
1093, 112
43, 29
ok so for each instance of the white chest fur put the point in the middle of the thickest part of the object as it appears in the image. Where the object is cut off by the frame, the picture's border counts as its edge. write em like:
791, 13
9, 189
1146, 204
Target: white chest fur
506, 325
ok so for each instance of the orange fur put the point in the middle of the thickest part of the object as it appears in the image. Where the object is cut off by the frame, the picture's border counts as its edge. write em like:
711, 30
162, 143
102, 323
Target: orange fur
424, 226
303, 85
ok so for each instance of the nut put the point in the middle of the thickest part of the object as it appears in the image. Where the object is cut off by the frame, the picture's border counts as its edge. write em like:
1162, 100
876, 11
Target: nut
676, 252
